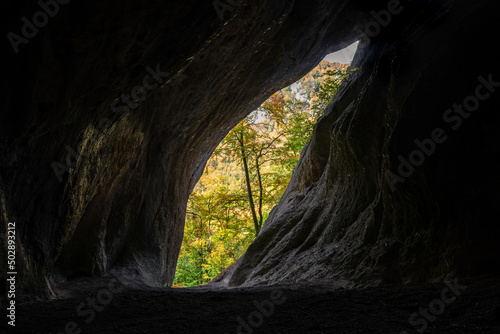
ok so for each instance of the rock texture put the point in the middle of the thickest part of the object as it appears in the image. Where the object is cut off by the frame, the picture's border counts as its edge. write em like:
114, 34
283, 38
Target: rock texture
352, 210
126, 165
98, 180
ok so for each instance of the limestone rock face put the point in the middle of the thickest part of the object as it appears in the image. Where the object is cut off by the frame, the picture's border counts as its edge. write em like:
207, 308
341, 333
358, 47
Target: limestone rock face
399, 181
111, 109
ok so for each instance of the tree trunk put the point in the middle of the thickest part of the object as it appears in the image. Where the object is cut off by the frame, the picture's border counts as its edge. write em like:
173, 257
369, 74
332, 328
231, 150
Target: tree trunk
257, 166
249, 186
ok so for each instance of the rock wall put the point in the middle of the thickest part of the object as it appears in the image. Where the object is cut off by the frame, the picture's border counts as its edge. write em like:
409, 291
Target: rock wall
399, 181
111, 109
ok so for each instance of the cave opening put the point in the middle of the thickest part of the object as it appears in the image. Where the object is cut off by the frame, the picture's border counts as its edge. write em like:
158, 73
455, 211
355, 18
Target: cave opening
389, 220
250, 169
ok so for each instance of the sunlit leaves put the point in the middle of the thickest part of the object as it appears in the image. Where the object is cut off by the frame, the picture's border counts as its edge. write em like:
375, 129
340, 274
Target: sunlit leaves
220, 221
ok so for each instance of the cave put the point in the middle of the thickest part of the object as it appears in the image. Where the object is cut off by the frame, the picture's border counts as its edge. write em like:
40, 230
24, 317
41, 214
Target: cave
111, 110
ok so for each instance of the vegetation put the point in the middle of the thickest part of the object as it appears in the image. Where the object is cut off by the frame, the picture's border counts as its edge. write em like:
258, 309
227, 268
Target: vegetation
248, 173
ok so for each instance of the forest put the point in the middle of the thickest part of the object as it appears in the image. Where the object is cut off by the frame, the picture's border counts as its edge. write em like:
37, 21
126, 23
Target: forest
248, 173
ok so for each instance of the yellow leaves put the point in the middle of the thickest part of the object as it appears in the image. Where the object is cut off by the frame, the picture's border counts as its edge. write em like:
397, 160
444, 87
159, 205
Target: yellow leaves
219, 222
197, 243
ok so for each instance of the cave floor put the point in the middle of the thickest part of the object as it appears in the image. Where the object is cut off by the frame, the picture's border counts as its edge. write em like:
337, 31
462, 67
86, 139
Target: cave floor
298, 308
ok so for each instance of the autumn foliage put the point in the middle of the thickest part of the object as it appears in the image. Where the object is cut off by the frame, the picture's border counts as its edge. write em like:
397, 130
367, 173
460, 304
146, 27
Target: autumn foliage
247, 175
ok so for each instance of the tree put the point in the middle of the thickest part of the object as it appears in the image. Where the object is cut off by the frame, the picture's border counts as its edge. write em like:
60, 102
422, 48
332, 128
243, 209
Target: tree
247, 175
328, 89
256, 141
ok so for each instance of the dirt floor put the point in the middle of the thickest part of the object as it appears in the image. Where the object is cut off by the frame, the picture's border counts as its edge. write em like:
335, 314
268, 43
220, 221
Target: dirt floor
464, 306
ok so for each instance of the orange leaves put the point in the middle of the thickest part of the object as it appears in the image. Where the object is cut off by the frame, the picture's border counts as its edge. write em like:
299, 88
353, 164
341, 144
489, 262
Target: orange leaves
275, 107
221, 222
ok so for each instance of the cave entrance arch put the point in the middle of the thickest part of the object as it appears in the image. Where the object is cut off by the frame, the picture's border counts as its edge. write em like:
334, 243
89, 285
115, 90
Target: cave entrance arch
245, 177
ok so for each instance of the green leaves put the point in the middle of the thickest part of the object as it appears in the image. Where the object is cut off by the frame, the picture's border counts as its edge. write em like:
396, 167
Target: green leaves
247, 175
328, 89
